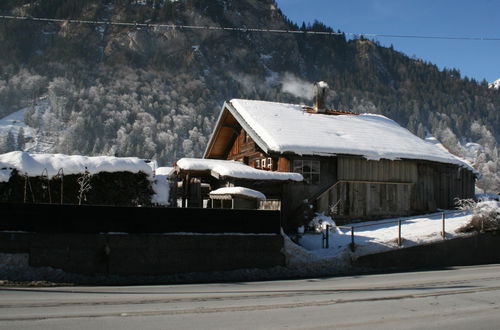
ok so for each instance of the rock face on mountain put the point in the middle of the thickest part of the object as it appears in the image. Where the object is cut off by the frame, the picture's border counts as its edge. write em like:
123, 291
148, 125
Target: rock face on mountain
495, 84
155, 91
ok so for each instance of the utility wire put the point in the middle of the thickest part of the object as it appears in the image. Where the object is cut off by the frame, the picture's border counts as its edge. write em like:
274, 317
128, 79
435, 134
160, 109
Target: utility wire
240, 29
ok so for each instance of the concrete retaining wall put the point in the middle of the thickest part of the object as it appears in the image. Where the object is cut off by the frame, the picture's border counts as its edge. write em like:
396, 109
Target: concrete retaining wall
472, 250
145, 254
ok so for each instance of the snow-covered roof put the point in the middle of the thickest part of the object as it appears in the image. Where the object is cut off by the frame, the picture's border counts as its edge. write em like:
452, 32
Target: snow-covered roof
166, 171
432, 140
288, 128
5, 175
233, 169
35, 164
237, 191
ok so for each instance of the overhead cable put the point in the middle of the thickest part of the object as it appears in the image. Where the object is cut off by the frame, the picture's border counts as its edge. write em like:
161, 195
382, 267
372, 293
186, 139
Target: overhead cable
241, 29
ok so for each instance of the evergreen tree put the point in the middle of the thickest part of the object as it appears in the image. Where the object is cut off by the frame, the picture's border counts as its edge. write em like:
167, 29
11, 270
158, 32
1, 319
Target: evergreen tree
21, 139
9, 143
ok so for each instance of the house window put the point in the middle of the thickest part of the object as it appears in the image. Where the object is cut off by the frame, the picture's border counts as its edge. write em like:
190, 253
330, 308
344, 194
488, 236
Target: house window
270, 163
310, 170
263, 163
257, 163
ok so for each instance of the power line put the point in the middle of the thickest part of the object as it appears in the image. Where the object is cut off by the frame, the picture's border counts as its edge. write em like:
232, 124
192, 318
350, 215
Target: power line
241, 29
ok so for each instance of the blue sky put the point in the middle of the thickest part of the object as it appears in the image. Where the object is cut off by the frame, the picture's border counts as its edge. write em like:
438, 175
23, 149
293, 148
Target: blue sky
452, 18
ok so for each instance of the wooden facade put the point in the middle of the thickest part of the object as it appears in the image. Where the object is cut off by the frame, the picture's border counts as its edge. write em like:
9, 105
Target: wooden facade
192, 188
245, 150
387, 188
350, 188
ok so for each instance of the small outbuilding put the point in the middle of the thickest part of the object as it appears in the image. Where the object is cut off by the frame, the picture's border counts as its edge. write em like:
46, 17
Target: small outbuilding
198, 178
236, 198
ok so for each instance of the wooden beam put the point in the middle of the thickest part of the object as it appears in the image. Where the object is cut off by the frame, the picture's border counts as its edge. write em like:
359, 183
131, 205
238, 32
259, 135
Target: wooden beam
235, 127
320, 195
230, 143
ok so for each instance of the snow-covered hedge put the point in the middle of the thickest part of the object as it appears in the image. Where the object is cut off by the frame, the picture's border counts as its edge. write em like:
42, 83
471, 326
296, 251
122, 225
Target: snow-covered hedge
117, 188
35, 164
110, 180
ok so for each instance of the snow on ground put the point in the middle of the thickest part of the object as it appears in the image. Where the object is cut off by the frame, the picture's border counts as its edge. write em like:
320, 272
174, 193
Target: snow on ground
36, 141
488, 197
379, 236
35, 164
238, 191
15, 121
233, 169
372, 237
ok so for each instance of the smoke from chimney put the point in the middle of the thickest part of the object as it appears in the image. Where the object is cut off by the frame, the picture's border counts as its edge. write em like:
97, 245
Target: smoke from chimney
320, 93
296, 86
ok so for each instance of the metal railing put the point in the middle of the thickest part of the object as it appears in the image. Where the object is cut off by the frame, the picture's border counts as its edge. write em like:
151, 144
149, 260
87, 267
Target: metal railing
399, 223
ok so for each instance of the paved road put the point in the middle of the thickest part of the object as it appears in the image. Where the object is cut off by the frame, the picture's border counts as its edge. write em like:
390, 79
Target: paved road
458, 298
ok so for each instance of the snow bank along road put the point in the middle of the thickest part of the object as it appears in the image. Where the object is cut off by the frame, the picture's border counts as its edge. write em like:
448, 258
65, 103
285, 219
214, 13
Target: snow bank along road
458, 298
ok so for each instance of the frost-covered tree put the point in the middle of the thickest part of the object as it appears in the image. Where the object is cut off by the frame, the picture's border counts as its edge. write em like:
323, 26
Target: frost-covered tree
21, 139
149, 93
60, 94
8, 142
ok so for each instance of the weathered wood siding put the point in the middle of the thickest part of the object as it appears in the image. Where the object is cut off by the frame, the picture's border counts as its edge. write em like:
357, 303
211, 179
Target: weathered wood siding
351, 200
367, 188
245, 150
360, 169
439, 185
375, 189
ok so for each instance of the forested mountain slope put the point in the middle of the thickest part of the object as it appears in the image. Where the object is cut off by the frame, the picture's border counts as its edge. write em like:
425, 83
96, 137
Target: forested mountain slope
155, 92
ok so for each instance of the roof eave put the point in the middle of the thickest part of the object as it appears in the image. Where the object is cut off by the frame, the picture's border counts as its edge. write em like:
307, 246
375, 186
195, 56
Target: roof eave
239, 118
255, 137
215, 131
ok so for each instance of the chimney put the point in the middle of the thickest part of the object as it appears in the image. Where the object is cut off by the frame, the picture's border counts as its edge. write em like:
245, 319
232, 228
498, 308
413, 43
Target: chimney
320, 92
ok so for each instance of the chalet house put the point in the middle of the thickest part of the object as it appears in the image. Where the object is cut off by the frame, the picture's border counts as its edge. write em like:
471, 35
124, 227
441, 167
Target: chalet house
355, 166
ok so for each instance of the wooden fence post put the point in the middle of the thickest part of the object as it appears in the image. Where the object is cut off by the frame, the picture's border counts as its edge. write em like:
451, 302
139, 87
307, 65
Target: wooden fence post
443, 232
353, 246
399, 233
327, 236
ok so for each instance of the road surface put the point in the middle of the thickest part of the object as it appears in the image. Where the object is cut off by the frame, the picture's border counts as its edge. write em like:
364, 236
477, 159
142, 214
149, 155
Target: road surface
455, 298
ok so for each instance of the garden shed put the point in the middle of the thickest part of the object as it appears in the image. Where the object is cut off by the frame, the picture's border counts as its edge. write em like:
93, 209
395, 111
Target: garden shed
236, 198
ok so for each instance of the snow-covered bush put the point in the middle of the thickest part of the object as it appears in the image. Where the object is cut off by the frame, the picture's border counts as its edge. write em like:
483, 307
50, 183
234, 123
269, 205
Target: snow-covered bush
319, 222
486, 215
465, 204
